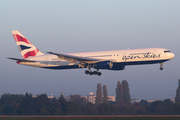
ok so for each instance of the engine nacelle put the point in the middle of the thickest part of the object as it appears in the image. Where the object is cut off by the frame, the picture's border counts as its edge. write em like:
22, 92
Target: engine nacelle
102, 65
117, 66
108, 65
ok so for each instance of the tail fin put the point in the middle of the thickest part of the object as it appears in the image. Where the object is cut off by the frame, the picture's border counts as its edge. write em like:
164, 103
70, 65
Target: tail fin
26, 48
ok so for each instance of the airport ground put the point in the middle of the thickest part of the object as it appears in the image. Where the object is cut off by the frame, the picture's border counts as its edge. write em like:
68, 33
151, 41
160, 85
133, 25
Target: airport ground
91, 117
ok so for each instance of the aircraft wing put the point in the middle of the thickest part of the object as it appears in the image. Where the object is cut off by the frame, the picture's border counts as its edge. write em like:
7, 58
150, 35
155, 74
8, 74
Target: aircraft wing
74, 59
21, 60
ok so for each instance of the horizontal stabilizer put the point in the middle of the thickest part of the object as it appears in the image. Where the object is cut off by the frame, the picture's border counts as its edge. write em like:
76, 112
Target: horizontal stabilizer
21, 60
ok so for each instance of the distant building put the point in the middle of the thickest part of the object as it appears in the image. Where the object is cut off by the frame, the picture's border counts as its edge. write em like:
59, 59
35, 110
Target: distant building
67, 98
173, 100
149, 101
135, 101
111, 98
34, 96
92, 98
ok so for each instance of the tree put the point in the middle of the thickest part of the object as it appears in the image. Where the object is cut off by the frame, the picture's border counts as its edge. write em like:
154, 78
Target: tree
103, 109
168, 104
41, 103
75, 98
119, 92
63, 104
91, 109
98, 94
105, 95
143, 103
177, 98
78, 99
157, 108
53, 106
26, 104
126, 93
9, 104
73, 108
176, 109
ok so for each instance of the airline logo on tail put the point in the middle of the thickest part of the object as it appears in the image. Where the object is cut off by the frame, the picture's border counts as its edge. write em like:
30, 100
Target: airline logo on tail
26, 48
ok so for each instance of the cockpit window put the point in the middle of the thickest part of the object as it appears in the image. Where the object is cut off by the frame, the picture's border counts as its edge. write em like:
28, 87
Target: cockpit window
166, 51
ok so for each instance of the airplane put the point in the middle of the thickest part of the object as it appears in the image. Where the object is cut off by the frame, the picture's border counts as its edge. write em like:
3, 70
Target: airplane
110, 60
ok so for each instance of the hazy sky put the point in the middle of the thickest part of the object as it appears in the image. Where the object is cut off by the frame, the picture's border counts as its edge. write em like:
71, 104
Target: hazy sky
90, 25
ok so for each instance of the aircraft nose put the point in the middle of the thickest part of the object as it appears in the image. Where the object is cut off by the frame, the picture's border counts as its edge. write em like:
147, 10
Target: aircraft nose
172, 55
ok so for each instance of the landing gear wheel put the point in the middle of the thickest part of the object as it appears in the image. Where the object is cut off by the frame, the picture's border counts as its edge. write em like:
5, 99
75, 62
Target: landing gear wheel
91, 73
86, 72
95, 72
161, 68
99, 73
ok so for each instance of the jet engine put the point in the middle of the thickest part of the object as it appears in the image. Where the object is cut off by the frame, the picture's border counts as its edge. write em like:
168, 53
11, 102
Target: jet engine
108, 65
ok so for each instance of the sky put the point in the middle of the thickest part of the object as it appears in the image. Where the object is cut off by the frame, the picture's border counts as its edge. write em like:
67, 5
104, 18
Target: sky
90, 25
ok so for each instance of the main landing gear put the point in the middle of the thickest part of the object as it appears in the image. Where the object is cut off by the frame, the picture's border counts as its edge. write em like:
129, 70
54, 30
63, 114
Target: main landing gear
161, 64
93, 73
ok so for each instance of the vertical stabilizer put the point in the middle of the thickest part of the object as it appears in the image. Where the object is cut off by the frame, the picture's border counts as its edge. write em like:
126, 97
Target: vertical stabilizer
26, 48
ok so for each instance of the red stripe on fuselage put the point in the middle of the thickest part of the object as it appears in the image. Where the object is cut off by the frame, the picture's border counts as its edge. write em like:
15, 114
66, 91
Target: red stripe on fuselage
19, 38
30, 53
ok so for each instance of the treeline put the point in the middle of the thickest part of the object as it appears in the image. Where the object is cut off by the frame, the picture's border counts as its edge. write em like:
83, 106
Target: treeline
122, 94
41, 105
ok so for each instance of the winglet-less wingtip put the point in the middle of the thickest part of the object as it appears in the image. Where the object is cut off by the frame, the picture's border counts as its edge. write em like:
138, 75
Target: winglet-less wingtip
49, 52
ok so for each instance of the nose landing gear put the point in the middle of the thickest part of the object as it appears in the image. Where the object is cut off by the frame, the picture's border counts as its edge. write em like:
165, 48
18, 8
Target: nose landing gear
161, 68
161, 64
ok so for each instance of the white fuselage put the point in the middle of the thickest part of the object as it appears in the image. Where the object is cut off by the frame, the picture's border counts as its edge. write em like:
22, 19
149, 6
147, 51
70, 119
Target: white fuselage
123, 57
